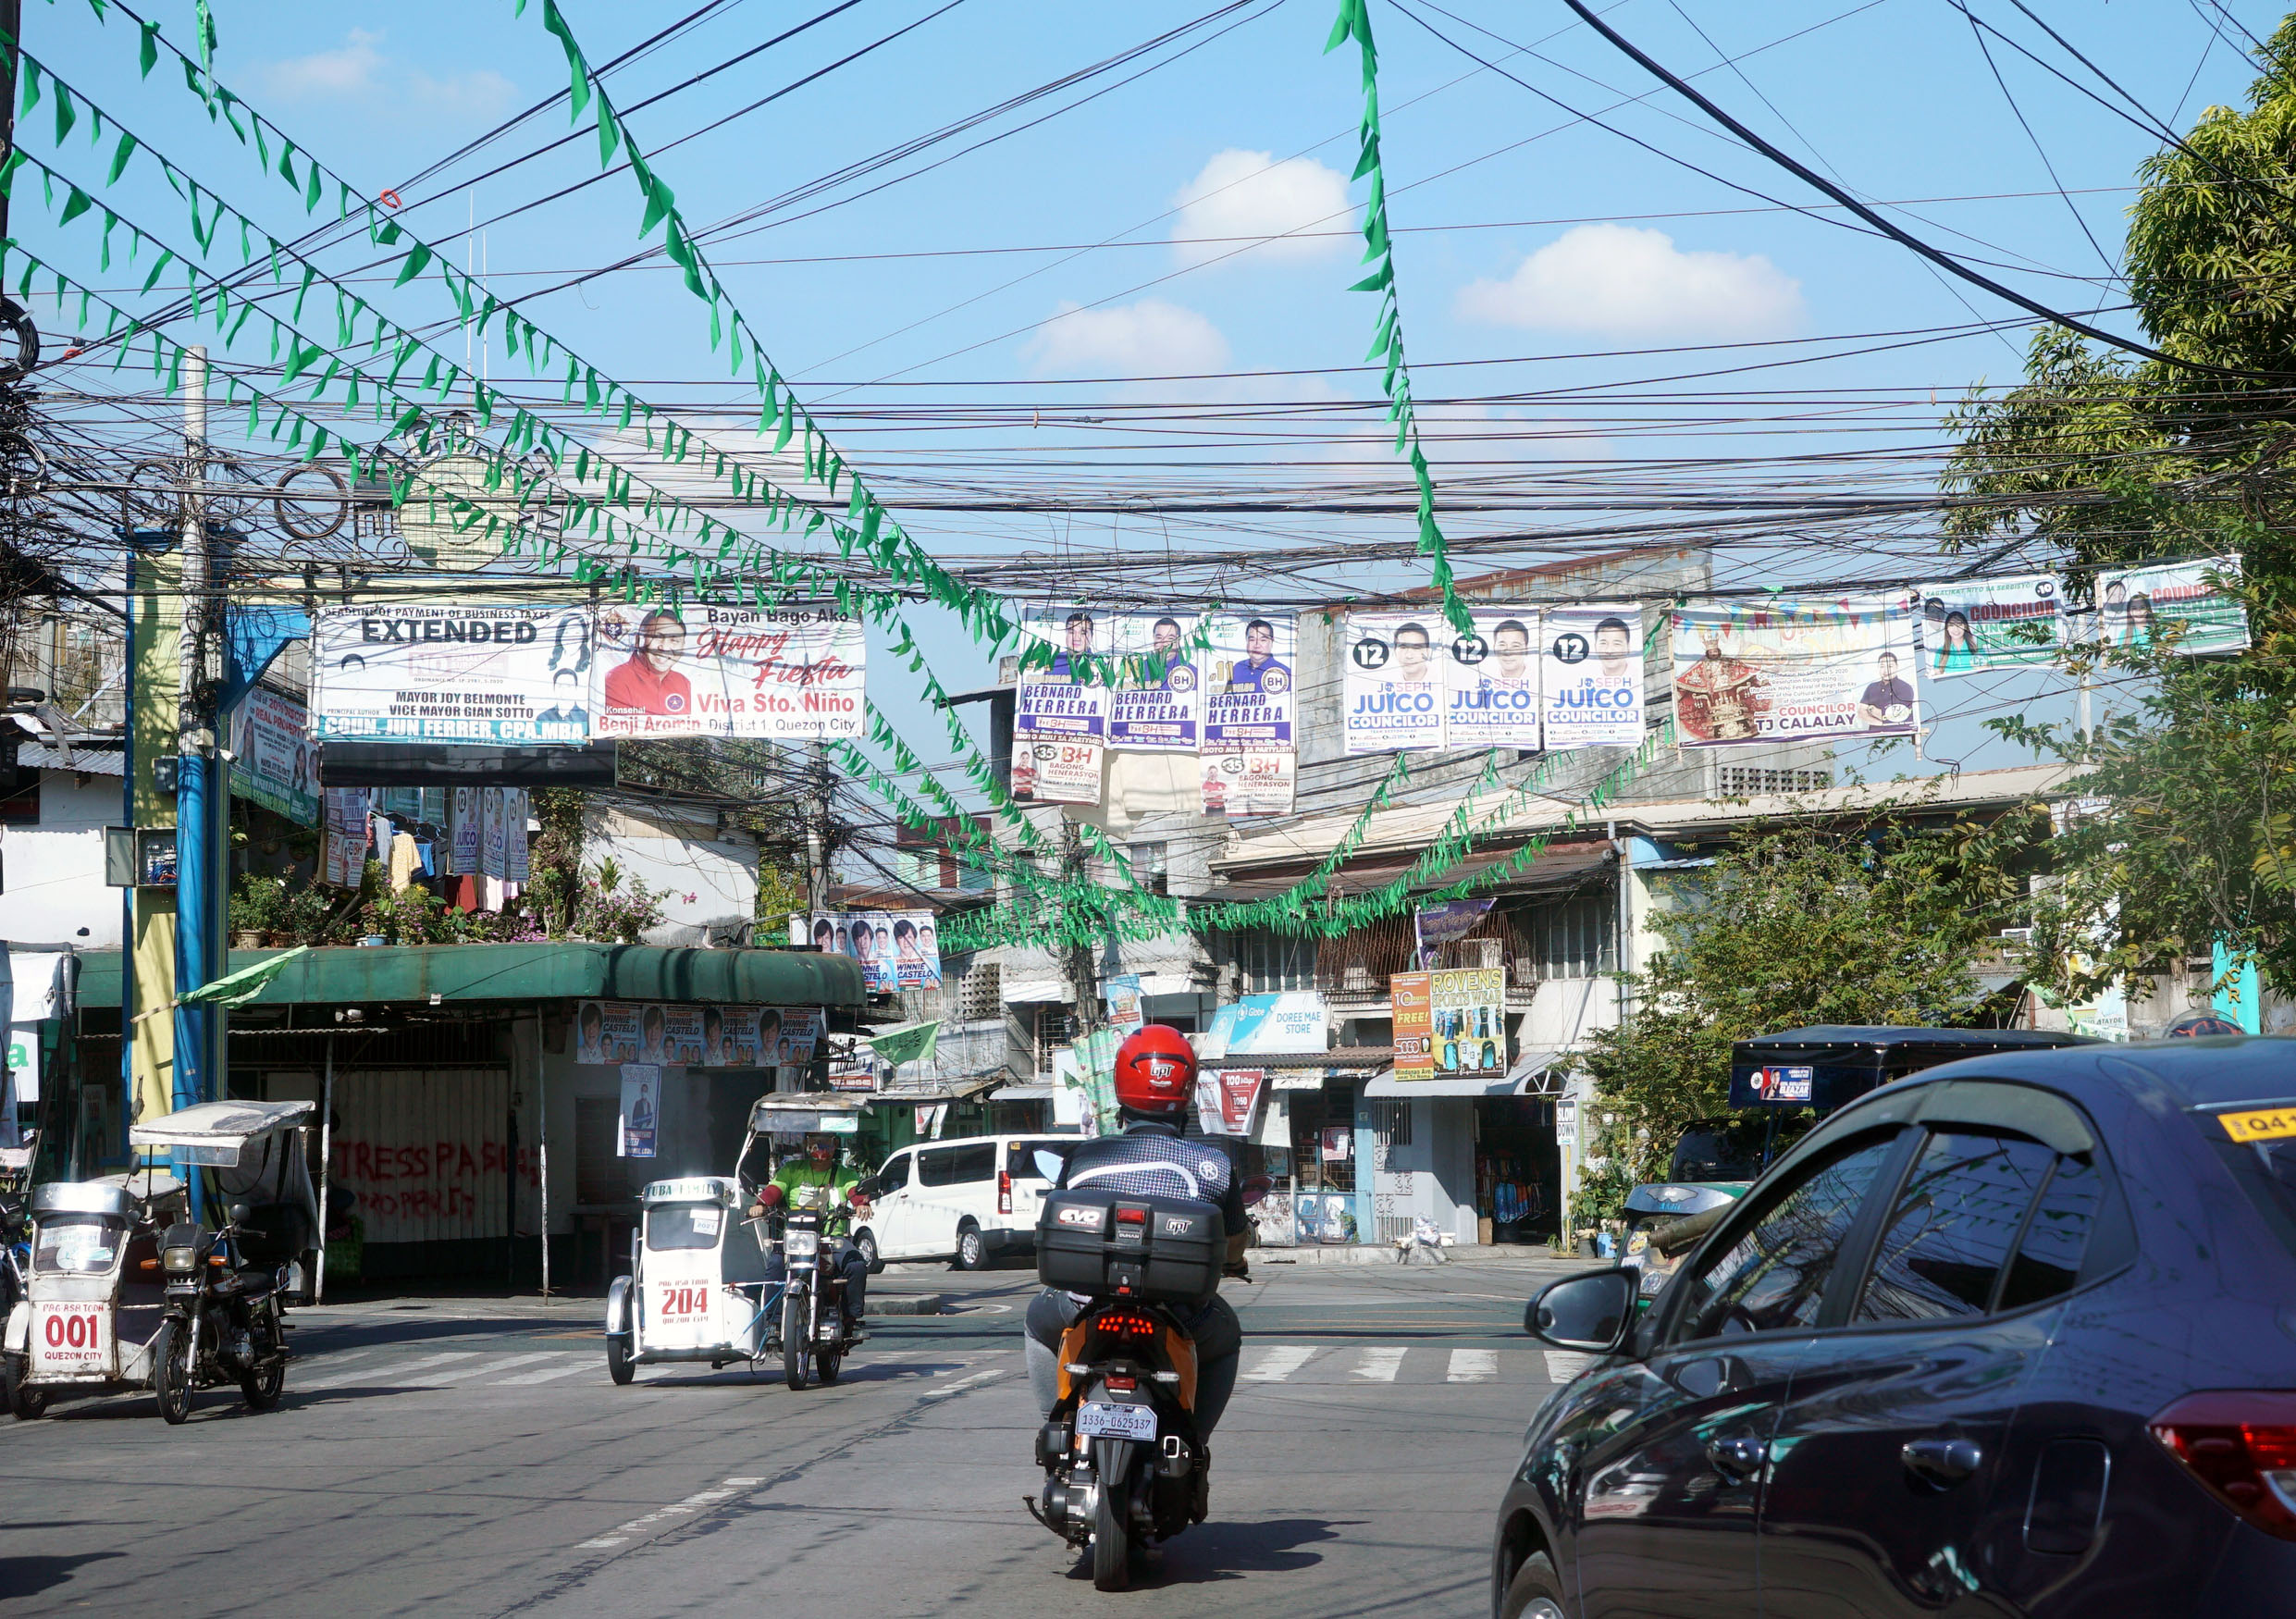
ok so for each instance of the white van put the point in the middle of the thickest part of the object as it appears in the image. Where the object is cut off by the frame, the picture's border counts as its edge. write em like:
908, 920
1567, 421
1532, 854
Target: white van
960, 1200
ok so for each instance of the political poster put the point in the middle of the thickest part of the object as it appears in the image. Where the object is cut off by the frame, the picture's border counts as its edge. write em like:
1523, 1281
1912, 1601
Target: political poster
641, 1109
272, 762
454, 673
787, 673
517, 854
1247, 757
1446, 923
343, 859
2187, 608
1783, 671
895, 950
1393, 690
606, 1033
1060, 721
1157, 704
466, 823
493, 836
1592, 676
1971, 625
1491, 681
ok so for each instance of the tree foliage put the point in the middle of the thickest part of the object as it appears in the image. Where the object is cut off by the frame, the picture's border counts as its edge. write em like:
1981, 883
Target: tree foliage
2189, 837
1882, 923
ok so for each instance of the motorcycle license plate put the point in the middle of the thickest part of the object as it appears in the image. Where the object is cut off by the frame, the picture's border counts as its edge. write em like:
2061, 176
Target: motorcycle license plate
1100, 1419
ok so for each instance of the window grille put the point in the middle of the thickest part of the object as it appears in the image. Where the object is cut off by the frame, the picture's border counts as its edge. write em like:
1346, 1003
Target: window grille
1575, 938
1748, 781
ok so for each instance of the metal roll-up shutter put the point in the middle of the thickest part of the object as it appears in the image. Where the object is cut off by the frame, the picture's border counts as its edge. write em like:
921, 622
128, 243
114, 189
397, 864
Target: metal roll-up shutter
428, 1153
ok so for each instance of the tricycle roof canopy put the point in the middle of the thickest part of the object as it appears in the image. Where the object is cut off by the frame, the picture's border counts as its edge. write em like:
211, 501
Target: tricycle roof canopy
1827, 1065
218, 1133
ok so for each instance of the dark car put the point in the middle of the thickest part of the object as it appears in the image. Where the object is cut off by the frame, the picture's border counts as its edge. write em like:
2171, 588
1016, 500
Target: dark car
2016, 1336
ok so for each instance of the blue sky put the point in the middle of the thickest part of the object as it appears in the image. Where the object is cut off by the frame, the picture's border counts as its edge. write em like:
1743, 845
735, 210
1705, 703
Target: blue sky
1523, 233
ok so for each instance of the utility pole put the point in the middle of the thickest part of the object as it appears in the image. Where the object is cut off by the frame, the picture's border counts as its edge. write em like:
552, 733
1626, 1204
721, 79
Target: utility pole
203, 801
817, 839
1083, 970
11, 24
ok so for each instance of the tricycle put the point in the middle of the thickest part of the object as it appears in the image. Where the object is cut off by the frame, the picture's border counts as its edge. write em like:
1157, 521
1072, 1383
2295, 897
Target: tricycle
697, 1289
154, 1288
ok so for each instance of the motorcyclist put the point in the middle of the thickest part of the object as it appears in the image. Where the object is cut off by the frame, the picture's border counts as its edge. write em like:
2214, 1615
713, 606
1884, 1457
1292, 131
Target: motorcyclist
1156, 1083
814, 1181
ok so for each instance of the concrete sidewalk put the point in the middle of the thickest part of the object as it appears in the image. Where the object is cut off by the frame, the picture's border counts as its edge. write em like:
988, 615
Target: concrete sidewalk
1368, 1253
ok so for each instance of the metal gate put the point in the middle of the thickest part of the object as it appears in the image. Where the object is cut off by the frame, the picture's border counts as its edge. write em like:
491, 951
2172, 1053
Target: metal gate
426, 1151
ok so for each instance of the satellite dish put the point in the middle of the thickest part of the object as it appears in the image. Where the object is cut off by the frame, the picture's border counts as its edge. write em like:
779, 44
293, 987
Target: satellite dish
442, 530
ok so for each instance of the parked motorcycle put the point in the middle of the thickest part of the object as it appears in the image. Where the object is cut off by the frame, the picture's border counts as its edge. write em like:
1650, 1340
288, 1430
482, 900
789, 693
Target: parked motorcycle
221, 1322
1124, 1464
814, 1334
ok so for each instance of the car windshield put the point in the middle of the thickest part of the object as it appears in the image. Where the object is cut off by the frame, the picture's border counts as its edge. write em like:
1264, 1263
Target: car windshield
77, 1244
2260, 1143
684, 1225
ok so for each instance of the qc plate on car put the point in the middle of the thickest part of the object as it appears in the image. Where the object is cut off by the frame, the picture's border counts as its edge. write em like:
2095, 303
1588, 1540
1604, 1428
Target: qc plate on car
1100, 1419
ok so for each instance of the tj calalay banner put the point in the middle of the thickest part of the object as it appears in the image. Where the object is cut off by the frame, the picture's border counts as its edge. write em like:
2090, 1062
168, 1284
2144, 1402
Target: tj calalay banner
1157, 705
2179, 605
608, 1033
897, 949
791, 673
271, 758
1060, 724
452, 673
1392, 696
1971, 625
1249, 758
1792, 671
1593, 677
1491, 681
1449, 1023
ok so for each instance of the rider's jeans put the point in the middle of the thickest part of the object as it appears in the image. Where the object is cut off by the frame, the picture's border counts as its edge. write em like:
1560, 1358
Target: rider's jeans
1219, 1345
849, 1263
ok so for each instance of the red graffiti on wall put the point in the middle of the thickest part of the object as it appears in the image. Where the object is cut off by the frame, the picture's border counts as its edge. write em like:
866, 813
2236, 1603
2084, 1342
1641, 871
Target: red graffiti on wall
439, 1180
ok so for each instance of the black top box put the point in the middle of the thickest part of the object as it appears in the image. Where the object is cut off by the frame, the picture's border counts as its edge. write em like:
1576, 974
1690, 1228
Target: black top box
1112, 1245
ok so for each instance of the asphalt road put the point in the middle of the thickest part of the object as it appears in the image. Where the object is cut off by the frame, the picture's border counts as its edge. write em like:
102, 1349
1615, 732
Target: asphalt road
451, 1457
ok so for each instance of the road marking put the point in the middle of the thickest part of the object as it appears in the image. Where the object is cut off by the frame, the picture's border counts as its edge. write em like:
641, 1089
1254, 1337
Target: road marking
1473, 1365
504, 1364
1279, 1362
700, 1501
1563, 1364
1379, 1366
582, 1363
958, 1387
393, 1370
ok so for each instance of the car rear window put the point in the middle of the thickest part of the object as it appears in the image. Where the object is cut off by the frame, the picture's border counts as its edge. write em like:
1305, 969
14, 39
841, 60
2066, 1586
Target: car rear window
1021, 1157
2259, 1141
957, 1166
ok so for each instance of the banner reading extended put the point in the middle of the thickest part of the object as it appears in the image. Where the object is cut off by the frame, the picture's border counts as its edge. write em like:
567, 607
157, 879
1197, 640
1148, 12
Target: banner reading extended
792, 672
1791, 672
1248, 756
452, 673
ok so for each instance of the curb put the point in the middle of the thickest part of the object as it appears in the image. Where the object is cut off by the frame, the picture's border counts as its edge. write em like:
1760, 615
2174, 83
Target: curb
904, 1304
1361, 1254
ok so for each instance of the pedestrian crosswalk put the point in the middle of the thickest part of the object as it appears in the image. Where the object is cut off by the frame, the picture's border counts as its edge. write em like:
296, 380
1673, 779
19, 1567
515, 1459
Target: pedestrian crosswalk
1298, 1364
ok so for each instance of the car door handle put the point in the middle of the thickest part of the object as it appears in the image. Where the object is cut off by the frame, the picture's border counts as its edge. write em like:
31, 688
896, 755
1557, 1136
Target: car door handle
1942, 1463
1737, 1458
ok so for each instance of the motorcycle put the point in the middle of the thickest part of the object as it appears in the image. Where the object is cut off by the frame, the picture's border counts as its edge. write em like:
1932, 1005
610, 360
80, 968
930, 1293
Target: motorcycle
221, 1321
814, 1334
1124, 1462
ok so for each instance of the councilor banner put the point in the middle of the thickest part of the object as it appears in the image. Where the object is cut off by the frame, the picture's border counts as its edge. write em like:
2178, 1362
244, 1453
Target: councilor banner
1392, 694
896, 950
271, 757
1793, 672
1491, 681
1971, 625
695, 670
709, 1036
1593, 677
1248, 755
2181, 607
477, 674
1060, 722
1157, 705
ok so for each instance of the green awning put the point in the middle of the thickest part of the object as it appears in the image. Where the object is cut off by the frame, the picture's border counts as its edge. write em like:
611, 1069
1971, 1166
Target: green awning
349, 975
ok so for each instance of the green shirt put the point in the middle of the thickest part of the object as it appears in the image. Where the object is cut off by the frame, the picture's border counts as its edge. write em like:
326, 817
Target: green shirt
807, 1186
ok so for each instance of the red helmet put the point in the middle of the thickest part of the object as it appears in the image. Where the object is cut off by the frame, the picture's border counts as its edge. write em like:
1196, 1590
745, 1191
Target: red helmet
1155, 1071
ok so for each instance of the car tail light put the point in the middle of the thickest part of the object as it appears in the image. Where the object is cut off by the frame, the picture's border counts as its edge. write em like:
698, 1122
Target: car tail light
2243, 1446
1003, 1192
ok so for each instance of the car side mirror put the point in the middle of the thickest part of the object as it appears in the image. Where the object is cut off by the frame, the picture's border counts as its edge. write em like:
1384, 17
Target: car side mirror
1588, 1313
1049, 1165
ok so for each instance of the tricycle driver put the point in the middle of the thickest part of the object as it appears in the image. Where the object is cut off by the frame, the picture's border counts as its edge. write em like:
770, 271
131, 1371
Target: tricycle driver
814, 1181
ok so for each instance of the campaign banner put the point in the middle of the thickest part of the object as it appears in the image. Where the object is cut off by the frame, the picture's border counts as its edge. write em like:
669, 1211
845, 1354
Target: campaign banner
1446, 923
343, 858
896, 950
1250, 765
1157, 705
271, 760
1392, 691
641, 1109
465, 822
1592, 685
788, 672
1491, 681
608, 1033
1060, 722
2177, 605
467, 673
1785, 671
493, 837
1971, 625
517, 854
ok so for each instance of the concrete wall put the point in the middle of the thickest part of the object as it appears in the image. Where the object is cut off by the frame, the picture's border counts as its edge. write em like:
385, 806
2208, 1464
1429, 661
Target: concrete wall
708, 878
52, 875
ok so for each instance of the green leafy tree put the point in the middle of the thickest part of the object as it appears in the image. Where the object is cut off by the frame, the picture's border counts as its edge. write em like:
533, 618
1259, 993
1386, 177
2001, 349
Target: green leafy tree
1882, 923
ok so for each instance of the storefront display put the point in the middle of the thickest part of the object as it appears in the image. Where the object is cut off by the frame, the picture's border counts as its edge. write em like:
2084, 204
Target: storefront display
1516, 1168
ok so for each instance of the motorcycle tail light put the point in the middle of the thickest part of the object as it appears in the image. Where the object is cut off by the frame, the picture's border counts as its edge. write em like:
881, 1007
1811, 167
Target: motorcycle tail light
1131, 1217
2241, 1446
1003, 1192
1124, 1324
1122, 1385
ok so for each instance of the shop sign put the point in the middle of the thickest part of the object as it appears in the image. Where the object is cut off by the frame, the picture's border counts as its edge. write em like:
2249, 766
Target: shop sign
1450, 1022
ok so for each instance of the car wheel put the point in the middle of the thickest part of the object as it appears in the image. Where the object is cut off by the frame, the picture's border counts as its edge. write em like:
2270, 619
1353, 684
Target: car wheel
1535, 1592
972, 1248
866, 1242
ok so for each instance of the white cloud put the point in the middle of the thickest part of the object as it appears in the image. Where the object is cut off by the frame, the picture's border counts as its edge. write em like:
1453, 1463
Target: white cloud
1148, 339
361, 71
1241, 193
1620, 281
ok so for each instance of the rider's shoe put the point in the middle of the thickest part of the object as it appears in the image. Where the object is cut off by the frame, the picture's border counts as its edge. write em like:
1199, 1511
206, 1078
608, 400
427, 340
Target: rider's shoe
1200, 1501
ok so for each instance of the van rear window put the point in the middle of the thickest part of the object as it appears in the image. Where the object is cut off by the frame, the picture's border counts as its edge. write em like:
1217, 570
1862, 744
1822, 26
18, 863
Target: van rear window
2259, 1143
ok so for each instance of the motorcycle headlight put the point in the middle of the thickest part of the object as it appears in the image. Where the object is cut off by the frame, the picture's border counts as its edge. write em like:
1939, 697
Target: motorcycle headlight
801, 1245
179, 1260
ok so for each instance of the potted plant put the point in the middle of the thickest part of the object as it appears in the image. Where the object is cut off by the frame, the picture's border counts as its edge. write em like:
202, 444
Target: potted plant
259, 911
